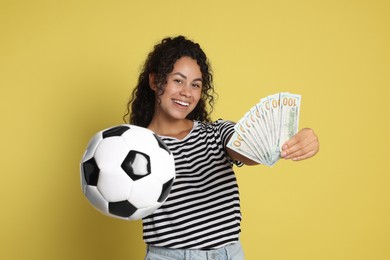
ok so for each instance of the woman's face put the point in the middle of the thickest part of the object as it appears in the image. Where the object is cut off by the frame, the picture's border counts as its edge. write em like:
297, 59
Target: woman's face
182, 91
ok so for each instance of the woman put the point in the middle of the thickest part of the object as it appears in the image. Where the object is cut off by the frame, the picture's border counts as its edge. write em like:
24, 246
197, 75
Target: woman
201, 217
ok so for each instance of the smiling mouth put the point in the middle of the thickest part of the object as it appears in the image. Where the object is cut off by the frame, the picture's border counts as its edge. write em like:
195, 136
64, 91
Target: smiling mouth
182, 103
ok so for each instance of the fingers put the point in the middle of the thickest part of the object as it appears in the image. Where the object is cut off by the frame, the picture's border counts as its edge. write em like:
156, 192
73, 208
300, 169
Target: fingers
301, 146
302, 153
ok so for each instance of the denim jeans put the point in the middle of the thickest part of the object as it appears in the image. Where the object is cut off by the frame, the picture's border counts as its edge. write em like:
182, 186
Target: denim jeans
229, 252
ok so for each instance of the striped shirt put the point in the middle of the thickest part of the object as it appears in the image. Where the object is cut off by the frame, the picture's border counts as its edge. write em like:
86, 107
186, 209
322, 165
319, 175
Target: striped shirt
202, 210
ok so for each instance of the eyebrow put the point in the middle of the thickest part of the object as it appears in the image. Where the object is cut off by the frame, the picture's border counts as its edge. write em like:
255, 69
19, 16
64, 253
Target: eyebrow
181, 75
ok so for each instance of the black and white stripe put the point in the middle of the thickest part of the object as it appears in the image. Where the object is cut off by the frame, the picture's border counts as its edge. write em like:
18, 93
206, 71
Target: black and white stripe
203, 208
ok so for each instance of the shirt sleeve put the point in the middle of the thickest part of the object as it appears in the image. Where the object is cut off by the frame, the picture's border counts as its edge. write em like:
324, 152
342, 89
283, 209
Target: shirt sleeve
225, 130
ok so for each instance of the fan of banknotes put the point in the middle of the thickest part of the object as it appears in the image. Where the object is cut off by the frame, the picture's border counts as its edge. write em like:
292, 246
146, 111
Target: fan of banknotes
262, 131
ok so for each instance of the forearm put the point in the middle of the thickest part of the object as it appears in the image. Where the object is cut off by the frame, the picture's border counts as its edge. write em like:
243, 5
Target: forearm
239, 157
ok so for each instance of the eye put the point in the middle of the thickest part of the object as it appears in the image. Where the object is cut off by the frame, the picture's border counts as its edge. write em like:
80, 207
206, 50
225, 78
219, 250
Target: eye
197, 85
179, 81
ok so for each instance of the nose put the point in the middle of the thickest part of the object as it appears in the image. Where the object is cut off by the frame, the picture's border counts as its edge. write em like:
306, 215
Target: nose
186, 90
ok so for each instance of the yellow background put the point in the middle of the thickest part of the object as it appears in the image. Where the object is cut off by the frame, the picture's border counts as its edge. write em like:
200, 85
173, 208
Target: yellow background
68, 67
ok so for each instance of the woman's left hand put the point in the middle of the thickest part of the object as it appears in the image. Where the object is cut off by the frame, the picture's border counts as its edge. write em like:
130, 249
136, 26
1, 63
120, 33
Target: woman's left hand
301, 146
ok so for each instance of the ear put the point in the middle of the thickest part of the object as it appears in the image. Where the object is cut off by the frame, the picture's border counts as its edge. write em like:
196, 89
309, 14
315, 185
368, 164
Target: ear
152, 83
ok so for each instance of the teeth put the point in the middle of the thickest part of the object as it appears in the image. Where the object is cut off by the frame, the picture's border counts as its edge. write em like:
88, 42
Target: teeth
181, 103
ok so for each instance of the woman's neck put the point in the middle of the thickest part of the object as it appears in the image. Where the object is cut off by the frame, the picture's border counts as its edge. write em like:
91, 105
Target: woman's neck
173, 128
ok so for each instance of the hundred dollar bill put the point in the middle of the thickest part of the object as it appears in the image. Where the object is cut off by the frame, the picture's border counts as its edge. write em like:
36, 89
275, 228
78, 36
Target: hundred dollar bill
262, 125
275, 115
274, 104
261, 129
289, 110
237, 144
265, 110
246, 130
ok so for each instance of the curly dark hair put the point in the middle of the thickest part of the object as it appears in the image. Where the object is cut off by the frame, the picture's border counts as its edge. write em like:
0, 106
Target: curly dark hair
160, 63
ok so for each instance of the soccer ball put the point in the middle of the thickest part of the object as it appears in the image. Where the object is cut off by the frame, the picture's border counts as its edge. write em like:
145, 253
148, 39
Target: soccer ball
127, 172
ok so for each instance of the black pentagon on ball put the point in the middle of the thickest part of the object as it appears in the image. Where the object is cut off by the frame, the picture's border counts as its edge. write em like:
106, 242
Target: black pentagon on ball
162, 144
165, 190
91, 172
121, 208
133, 172
115, 131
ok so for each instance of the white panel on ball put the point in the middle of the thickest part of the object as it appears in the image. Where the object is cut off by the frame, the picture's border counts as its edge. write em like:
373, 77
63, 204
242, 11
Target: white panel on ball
114, 184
